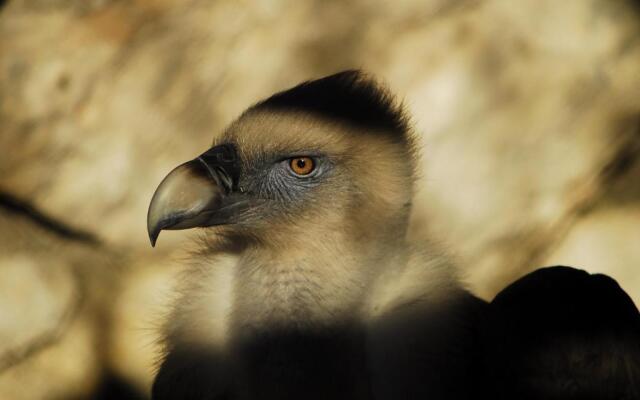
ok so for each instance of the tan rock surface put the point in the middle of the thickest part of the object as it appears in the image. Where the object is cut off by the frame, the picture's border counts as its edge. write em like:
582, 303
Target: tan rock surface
53, 287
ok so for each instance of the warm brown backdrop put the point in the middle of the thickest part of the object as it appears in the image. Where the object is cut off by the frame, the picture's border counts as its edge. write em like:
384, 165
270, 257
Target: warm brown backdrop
528, 112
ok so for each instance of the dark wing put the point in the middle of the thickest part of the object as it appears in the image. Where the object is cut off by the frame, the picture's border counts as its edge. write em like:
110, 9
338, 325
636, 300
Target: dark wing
193, 374
561, 333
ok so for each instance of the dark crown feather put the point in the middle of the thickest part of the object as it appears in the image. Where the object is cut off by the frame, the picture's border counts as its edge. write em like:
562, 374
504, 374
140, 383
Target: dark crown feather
349, 96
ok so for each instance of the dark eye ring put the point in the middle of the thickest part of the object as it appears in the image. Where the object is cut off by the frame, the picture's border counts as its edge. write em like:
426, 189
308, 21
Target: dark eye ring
302, 166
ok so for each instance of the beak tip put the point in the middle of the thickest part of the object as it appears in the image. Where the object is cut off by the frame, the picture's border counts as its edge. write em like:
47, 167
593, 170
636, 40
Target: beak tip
153, 236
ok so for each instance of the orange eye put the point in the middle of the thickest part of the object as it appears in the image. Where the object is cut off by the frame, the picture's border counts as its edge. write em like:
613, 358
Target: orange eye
302, 165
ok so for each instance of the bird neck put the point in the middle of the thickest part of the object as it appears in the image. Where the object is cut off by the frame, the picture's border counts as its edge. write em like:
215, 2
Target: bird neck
317, 285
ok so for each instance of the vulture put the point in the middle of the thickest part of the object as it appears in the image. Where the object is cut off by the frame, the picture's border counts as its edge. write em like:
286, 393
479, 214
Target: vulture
304, 284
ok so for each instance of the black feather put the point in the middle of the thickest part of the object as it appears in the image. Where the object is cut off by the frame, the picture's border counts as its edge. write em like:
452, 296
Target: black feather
561, 333
348, 96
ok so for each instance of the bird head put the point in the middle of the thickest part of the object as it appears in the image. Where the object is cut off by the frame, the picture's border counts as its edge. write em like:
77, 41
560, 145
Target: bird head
329, 155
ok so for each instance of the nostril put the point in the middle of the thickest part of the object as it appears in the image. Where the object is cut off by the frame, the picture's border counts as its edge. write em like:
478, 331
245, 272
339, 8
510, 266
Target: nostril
228, 153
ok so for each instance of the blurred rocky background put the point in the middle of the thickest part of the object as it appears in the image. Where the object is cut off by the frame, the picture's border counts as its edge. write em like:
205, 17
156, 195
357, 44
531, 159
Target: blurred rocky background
528, 114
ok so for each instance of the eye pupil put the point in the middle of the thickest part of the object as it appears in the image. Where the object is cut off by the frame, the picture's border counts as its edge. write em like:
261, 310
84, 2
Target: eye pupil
302, 165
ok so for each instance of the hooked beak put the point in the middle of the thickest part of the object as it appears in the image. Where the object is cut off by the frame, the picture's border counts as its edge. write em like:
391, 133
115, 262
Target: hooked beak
196, 193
